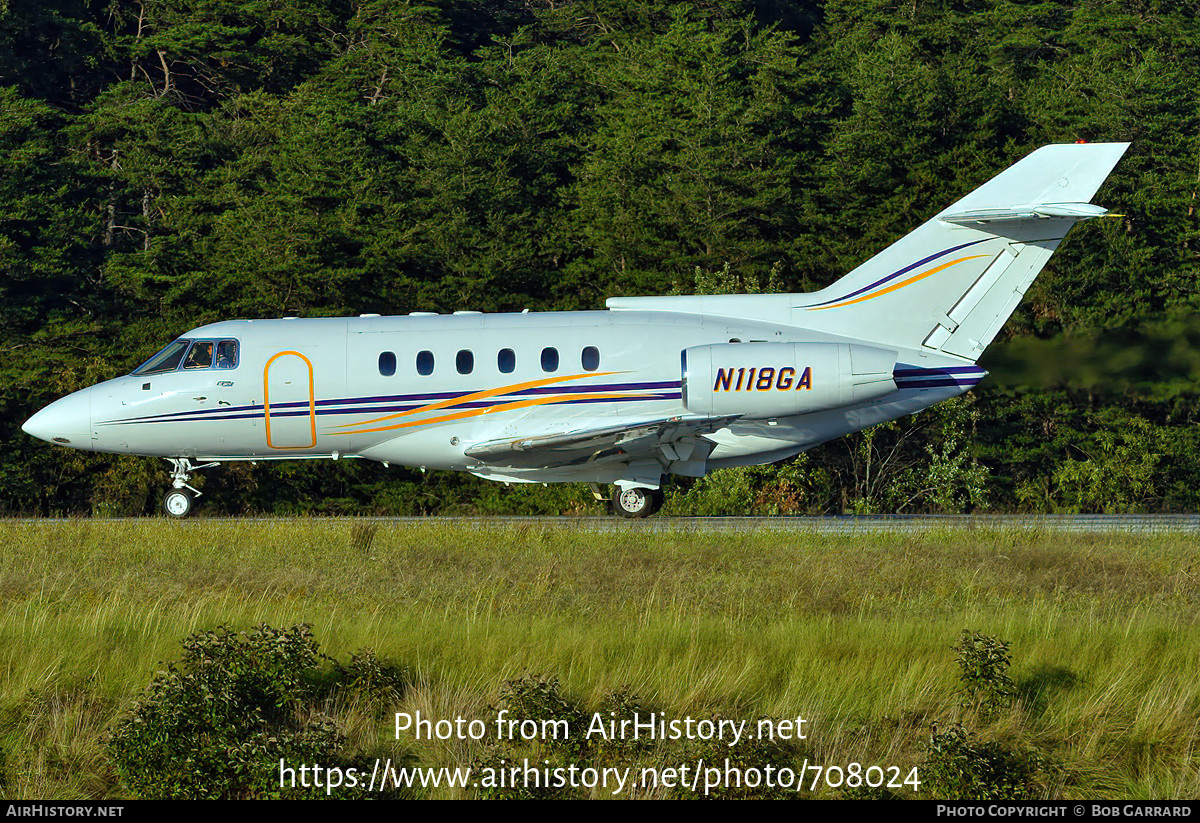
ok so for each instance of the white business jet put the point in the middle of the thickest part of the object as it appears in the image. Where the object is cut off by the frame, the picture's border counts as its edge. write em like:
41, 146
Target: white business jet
651, 386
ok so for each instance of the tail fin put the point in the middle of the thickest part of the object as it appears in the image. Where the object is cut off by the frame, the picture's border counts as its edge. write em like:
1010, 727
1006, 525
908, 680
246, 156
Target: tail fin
952, 283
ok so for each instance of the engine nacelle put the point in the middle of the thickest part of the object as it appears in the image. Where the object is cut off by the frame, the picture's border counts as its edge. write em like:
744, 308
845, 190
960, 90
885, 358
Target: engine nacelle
763, 380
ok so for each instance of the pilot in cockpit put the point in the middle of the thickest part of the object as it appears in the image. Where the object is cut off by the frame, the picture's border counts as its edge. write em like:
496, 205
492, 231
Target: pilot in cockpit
200, 357
226, 354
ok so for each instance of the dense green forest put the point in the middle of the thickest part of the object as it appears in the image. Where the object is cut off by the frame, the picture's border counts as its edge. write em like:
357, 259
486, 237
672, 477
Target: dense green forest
165, 163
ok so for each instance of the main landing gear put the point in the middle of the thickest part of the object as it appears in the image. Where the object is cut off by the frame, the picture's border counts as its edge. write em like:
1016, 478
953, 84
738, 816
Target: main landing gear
636, 501
181, 498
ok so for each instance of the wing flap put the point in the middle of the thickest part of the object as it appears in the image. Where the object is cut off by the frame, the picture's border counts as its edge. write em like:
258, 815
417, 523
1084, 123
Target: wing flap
674, 438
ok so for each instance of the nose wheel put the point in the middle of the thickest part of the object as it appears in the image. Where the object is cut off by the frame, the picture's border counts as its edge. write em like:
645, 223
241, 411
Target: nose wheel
180, 499
636, 501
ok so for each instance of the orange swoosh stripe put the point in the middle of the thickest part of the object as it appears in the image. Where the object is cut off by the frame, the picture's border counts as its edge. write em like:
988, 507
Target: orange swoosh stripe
479, 395
899, 285
519, 404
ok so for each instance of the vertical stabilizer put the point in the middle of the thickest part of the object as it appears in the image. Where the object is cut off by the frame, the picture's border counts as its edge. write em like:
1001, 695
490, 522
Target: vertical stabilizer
952, 283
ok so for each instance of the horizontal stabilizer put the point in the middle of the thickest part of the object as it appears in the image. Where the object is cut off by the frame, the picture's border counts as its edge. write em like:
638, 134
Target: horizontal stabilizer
1066, 211
1056, 174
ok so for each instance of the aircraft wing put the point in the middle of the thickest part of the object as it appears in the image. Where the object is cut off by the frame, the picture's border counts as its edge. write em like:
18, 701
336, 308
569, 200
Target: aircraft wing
673, 439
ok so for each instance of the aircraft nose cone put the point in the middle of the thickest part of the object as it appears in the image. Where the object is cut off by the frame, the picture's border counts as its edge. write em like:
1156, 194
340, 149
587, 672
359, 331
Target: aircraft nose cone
66, 422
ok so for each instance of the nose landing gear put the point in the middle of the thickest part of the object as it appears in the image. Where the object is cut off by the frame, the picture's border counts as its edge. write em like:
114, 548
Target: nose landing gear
179, 501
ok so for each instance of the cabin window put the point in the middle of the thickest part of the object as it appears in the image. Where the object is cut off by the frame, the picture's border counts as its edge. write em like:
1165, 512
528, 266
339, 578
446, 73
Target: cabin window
387, 363
506, 361
465, 361
425, 362
549, 359
590, 358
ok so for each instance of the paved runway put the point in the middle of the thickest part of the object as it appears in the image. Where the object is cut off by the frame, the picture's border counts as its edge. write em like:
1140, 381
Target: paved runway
1097, 523
1094, 523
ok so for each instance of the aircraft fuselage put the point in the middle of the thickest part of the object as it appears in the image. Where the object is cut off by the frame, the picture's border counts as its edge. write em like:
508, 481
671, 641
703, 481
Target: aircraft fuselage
354, 387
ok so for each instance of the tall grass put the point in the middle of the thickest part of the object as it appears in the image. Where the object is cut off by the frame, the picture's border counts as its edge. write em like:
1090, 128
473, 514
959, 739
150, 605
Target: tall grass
854, 632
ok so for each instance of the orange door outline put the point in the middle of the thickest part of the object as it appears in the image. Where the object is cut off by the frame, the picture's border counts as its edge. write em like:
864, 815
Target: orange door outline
312, 400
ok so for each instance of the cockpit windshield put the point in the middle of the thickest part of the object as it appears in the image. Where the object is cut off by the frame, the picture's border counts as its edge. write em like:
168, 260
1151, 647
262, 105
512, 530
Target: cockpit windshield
166, 360
192, 355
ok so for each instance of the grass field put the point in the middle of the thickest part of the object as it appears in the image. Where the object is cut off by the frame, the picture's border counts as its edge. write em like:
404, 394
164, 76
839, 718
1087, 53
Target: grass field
852, 632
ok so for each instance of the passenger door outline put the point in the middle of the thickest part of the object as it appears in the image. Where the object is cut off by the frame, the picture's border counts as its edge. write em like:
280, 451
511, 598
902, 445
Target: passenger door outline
312, 401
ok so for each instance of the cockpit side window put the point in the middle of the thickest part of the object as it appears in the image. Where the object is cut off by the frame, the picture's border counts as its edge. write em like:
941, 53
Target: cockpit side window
200, 356
227, 354
167, 359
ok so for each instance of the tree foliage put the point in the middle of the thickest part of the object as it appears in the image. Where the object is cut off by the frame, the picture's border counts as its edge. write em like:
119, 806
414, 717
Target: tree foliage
171, 162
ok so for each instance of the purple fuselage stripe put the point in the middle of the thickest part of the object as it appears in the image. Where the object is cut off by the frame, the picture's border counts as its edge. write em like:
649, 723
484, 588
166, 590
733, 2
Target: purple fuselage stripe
255, 412
301, 404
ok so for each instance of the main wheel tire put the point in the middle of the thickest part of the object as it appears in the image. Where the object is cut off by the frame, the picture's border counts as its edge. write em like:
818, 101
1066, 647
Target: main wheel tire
178, 503
634, 501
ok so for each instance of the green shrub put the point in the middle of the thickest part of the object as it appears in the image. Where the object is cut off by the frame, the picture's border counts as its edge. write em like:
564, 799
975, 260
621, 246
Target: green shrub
743, 767
499, 758
983, 662
380, 683
959, 768
556, 739
616, 706
218, 723
537, 698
